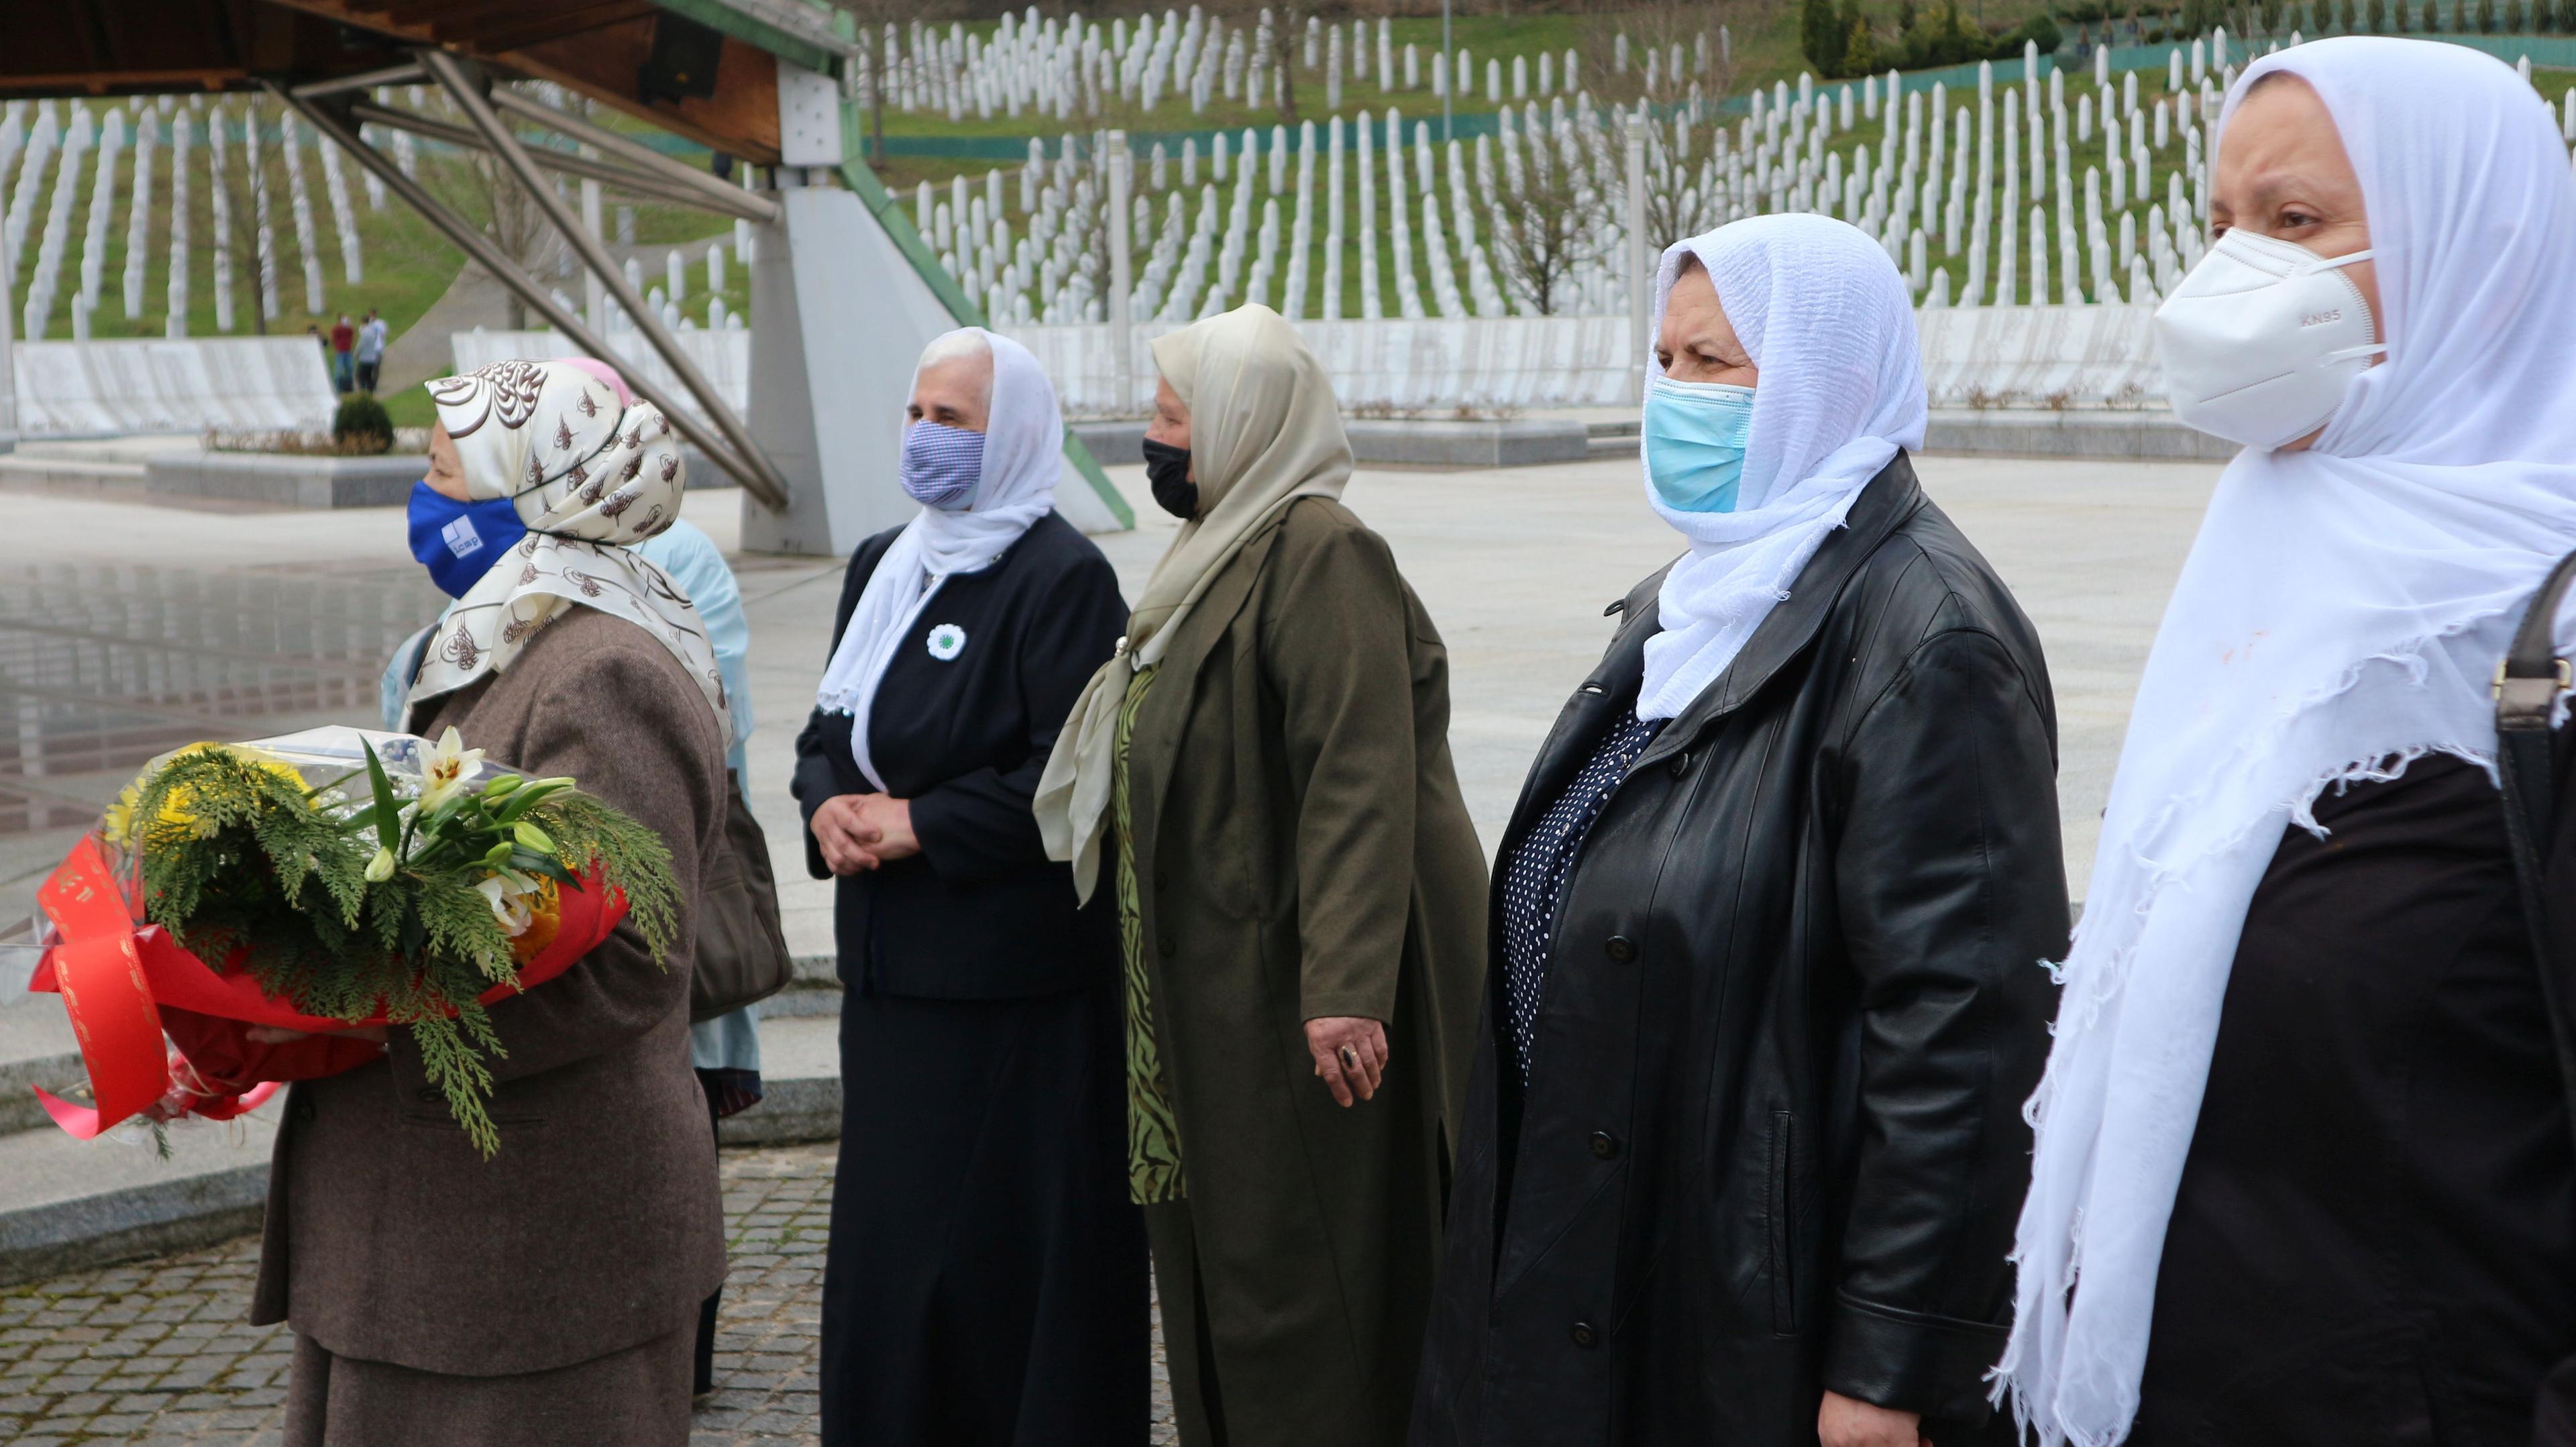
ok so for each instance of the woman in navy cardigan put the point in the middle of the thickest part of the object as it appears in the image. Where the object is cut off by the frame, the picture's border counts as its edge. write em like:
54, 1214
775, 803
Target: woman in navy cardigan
986, 1281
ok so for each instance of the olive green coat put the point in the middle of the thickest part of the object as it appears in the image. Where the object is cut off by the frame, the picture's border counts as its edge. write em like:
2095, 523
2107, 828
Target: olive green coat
1302, 851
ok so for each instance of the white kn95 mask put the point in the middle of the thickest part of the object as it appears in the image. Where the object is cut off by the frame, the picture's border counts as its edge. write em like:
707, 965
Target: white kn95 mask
2259, 341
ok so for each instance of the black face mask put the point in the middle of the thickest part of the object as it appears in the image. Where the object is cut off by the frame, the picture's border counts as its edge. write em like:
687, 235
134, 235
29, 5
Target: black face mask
1167, 468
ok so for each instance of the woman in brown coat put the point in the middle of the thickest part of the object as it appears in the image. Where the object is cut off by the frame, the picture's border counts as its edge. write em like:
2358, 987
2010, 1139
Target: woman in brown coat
548, 1295
1301, 901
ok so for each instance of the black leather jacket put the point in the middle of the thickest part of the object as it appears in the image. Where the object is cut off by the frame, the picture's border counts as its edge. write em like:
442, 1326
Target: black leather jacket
1772, 1143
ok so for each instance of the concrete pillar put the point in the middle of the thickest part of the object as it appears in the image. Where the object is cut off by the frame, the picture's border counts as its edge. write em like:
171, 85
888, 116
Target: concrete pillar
838, 316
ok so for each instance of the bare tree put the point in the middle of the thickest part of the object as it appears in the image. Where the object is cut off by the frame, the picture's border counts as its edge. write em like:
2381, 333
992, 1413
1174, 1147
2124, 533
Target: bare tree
476, 186
1284, 44
1553, 225
233, 226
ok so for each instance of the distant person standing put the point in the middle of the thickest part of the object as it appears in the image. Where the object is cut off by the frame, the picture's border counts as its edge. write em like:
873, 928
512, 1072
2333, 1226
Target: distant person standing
343, 338
371, 350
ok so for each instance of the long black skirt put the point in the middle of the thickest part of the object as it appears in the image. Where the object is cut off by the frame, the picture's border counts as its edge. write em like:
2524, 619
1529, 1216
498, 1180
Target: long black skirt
986, 1282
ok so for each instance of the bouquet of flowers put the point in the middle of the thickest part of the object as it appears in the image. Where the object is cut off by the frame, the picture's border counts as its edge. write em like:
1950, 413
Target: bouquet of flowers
325, 882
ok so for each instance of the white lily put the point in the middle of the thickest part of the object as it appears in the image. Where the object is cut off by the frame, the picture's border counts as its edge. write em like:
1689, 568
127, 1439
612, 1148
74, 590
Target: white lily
511, 895
444, 769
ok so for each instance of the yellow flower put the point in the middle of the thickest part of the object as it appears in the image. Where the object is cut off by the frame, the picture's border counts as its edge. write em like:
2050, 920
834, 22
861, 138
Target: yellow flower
117, 824
444, 769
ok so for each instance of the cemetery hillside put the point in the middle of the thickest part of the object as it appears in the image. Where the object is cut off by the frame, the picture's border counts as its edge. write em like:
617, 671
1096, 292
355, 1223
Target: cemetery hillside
1331, 165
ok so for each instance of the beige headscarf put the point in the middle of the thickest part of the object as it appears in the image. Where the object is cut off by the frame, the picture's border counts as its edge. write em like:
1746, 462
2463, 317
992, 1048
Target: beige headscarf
1264, 431
590, 480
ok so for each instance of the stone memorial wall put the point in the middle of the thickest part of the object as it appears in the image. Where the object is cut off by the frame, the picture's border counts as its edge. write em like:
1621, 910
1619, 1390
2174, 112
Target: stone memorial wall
108, 388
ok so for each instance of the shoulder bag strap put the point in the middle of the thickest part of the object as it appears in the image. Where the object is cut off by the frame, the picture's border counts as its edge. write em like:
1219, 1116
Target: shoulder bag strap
2528, 684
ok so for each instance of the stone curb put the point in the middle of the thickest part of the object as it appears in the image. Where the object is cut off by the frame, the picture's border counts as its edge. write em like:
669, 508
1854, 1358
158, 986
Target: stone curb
2151, 436
325, 482
215, 1185
132, 1222
1506, 442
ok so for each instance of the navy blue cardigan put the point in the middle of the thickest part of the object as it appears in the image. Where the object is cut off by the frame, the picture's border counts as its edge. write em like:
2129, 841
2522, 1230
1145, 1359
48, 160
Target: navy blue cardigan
980, 913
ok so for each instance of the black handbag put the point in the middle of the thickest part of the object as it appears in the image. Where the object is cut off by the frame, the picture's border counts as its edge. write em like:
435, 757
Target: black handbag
2528, 685
741, 948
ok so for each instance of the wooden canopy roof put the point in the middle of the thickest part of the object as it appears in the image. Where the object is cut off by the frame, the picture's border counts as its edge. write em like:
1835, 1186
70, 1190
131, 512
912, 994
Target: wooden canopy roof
599, 48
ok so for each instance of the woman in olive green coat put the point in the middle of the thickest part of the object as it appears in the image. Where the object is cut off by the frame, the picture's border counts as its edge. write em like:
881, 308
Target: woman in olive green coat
1303, 905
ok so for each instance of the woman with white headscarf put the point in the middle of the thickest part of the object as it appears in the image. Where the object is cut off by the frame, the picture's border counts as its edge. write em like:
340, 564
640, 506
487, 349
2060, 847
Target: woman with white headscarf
986, 1277
548, 1295
1743, 1150
2304, 1170
1261, 780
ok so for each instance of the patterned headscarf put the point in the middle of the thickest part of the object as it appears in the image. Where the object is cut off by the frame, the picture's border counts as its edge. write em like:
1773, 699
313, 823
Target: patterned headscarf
589, 480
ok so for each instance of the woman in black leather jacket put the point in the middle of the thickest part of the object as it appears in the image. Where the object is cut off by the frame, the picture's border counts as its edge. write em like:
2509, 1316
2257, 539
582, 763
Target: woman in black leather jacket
1744, 1148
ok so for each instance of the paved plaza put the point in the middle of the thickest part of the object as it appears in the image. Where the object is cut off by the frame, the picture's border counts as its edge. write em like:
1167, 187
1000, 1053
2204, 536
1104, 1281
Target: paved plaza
125, 630
156, 1352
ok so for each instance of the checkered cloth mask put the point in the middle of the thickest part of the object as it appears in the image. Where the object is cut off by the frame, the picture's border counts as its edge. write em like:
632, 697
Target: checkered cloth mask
942, 464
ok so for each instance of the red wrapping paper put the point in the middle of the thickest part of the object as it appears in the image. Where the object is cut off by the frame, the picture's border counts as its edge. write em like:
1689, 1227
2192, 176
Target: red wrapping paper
125, 985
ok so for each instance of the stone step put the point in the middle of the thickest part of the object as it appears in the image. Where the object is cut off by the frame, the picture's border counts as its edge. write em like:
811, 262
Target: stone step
1400, 441
36, 1048
25, 472
2140, 434
67, 1205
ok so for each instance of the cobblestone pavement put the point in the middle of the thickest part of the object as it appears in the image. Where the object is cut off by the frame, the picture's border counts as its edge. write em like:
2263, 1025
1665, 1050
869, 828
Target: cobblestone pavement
157, 1352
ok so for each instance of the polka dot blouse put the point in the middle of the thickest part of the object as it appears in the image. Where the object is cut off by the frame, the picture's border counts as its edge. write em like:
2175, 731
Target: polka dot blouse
1534, 878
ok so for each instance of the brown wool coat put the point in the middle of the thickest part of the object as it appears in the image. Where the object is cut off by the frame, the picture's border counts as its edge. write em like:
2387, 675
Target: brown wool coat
598, 1226
1302, 850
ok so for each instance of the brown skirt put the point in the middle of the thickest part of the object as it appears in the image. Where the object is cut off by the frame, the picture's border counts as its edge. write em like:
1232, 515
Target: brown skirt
638, 1397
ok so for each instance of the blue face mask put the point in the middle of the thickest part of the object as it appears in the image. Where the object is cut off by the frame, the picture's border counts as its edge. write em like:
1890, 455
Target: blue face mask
460, 541
942, 465
1695, 435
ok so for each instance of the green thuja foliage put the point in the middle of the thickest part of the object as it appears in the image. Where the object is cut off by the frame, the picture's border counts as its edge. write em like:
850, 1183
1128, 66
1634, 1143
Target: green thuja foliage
251, 870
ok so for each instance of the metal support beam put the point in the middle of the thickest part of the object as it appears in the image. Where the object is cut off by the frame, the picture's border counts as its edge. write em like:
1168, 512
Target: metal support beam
405, 74
761, 482
768, 486
714, 193
586, 167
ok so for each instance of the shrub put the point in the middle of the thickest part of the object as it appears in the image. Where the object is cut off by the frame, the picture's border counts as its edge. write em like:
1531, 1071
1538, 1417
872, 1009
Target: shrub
1821, 37
361, 425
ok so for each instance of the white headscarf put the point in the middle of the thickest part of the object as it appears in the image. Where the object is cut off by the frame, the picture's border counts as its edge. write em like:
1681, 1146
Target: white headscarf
1023, 457
1823, 314
2343, 607
589, 480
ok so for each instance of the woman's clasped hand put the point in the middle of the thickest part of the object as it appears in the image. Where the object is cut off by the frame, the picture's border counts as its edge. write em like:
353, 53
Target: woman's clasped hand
861, 831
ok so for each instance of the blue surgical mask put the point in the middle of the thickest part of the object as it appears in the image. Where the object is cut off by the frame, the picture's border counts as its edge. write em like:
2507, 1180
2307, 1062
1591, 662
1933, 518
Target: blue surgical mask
460, 541
941, 464
1695, 435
